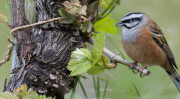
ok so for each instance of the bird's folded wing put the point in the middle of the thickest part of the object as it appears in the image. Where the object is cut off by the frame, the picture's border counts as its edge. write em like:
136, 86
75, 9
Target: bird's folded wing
160, 40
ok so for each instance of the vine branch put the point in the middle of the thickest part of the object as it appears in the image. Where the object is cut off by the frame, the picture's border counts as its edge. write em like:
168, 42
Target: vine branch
38, 23
7, 55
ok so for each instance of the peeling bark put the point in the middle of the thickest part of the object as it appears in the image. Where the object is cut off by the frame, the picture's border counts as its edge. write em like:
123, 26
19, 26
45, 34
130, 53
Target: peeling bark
41, 53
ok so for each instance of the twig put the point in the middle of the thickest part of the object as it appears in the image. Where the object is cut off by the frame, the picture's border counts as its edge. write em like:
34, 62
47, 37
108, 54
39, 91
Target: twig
119, 59
5, 82
9, 25
91, 15
95, 7
7, 55
30, 25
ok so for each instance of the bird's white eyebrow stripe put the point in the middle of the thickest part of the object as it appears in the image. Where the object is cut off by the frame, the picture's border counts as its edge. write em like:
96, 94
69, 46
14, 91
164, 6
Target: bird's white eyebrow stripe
132, 16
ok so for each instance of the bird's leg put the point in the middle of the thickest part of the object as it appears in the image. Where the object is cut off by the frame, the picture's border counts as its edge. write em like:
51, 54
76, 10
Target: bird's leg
132, 66
141, 70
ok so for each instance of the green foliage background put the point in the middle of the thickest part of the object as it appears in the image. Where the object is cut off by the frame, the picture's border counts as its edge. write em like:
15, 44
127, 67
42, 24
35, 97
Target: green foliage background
4, 33
123, 84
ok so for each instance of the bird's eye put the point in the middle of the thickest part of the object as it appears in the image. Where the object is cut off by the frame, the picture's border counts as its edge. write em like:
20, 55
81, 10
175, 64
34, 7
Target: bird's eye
126, 21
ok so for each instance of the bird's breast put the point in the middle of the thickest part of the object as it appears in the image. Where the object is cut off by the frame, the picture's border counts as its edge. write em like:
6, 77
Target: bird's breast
143, 49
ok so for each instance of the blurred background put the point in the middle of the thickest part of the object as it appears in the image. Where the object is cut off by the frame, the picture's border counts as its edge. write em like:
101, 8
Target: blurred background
123, 83
4, 34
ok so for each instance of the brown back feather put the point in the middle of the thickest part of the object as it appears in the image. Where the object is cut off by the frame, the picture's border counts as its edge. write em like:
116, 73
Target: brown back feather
159, 38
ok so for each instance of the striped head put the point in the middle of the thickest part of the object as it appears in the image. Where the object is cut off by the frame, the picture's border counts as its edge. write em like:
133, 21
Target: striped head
132, 20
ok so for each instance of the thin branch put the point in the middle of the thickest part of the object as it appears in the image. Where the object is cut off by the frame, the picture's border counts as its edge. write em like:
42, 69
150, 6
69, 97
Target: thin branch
119, 59
110, 5
9, 25
7, 55
30, 25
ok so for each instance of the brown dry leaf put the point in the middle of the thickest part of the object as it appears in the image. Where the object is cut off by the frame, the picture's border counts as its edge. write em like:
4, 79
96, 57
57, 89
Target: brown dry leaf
74, 7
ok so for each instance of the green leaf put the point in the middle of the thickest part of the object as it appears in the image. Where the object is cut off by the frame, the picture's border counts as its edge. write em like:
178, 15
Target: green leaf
105, 89
8, 5
3, 18
79, 68
7, 95
105, 3
82, 60
34, 95
98, 44
68, 18
74, 88
79, 62
83, 89
86, 26
81, 53
98, 88
97, 54
23, 93
87, 45
96, 69
106, 25
108, 6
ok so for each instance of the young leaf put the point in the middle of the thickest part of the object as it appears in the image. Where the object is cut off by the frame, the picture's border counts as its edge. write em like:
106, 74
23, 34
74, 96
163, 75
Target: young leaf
3, 18
98, 45
68, 18
80, 61
21, 91
86, 26
96, 69
106, 25
7, 95
74, 7
105, 3
97, 54
108, 6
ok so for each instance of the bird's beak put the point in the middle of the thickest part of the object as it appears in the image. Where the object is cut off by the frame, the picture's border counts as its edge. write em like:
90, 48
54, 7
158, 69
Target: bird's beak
119, 24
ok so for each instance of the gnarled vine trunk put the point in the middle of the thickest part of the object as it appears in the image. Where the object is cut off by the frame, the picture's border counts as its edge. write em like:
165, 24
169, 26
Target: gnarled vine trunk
41, 53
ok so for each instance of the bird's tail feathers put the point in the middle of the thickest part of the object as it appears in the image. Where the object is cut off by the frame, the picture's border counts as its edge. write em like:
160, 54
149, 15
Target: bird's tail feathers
175, 78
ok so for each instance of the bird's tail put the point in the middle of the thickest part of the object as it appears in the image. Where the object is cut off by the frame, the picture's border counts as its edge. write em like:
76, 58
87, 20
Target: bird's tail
175, 78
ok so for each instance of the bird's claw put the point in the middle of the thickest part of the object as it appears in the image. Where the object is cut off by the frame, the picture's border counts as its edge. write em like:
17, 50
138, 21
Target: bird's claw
142, 75
141, 71
132, 67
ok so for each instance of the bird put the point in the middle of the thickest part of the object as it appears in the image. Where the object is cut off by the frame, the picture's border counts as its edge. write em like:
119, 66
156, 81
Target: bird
145, 43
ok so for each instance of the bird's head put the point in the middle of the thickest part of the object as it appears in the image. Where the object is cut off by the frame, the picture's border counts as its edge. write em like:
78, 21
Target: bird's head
132, 20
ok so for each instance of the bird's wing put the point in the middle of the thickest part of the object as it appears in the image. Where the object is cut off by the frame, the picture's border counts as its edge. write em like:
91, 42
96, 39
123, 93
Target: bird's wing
160, 40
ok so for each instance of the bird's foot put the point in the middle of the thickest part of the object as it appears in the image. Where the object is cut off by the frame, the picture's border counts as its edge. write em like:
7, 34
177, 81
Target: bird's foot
141, 70
132, 66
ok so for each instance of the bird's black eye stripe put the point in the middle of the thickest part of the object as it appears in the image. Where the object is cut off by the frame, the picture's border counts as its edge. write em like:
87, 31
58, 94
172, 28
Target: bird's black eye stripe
131, 20
126, 21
